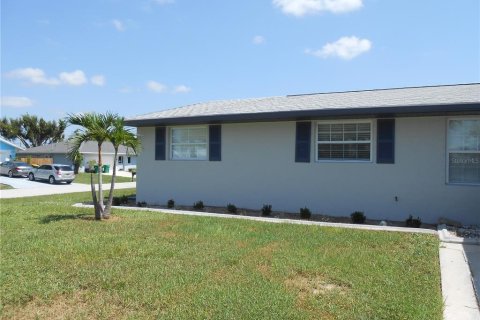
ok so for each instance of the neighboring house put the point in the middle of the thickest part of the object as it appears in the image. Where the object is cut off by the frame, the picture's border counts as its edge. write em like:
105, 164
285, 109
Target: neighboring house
8, 150
390, 153
58, 152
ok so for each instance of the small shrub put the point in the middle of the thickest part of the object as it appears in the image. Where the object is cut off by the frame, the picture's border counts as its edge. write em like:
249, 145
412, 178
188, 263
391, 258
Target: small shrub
305, 213
124, 199
266, 210
141, 204
358, 217
170, 203
198, 205
231, 208
116, 201
413, 223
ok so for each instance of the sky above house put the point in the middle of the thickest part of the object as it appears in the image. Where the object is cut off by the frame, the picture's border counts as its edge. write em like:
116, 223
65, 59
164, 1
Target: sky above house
135, 57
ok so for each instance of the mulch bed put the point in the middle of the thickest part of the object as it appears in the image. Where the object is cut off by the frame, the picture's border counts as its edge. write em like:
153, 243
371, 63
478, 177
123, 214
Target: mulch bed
277, 214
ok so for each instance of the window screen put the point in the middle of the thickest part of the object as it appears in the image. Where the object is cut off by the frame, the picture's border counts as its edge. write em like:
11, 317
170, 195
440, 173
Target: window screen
464, 151
189, 143
344, 141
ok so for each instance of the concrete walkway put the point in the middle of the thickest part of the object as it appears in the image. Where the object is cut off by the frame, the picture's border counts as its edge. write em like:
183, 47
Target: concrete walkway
43, 189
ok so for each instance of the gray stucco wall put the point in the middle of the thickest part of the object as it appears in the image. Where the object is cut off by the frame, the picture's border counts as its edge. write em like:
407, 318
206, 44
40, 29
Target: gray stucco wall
258, 167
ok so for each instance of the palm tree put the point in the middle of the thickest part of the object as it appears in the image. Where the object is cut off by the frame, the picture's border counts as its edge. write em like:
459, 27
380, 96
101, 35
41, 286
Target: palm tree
77, 159
94, 127
119, 135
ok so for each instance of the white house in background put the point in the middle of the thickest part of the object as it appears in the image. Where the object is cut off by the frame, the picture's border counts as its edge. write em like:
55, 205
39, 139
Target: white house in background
8, 150
58, 152
389, 153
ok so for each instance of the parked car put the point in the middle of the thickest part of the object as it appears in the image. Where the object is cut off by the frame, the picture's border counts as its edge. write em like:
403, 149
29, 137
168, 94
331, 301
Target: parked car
15, 168
53, 173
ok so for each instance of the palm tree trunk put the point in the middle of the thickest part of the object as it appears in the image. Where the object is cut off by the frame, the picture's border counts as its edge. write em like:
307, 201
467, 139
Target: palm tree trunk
98, 215
101, 205
108, 208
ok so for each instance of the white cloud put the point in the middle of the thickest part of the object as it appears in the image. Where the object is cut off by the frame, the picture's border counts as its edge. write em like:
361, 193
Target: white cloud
345, 48
300, 8
258, 40
74, 78
98, 80
38, 76
16, 102
119, 25
181, 89
156, 86
33, 75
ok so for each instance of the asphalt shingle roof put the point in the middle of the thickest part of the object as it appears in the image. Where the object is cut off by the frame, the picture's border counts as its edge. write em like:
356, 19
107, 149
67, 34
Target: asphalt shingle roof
347, 101
64, 146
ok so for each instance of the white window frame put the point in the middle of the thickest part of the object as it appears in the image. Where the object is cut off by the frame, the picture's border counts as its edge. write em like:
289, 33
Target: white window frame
170, 142
371, 141
447, 153
120, 160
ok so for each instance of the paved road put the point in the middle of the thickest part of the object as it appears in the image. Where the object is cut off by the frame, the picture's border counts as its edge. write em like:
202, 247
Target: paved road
472, 254
25, 188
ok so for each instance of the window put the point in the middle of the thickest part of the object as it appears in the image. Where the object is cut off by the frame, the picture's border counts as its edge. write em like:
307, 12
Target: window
344, 141
120, 159
129, 160
463, 149
189, 143
63, 168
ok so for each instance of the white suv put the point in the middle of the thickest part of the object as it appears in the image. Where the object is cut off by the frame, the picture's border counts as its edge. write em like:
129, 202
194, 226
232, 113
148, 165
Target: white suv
53, 173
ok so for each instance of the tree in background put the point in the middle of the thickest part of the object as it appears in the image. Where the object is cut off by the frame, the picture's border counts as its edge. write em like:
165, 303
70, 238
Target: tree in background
77, 159
32, 131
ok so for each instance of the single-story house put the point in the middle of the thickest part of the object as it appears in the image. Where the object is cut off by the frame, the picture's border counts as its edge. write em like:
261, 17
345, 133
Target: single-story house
8, 150
58, 152
390, 153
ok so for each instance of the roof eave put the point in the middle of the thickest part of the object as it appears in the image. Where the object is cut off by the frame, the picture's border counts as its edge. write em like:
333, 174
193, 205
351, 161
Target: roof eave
369, 112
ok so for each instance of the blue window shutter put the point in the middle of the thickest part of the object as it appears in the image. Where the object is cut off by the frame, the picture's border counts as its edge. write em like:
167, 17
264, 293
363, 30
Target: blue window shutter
386, 141
302, 141
215, 142
160, 143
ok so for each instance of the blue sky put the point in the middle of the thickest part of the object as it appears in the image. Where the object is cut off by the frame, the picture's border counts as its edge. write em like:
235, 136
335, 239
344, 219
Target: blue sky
135, 57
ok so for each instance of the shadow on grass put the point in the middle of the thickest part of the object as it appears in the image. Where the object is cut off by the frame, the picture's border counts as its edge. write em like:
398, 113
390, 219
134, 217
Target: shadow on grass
61, 217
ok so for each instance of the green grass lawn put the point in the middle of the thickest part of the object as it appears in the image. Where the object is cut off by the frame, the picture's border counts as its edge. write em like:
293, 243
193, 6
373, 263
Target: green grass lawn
85, 178
5, 186
56, 262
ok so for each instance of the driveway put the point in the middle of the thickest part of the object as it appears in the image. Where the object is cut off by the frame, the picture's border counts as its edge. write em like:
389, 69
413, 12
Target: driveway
25, 188
24, 183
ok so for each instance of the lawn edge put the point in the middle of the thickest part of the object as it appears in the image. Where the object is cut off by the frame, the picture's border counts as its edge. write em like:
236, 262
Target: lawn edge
273, 220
